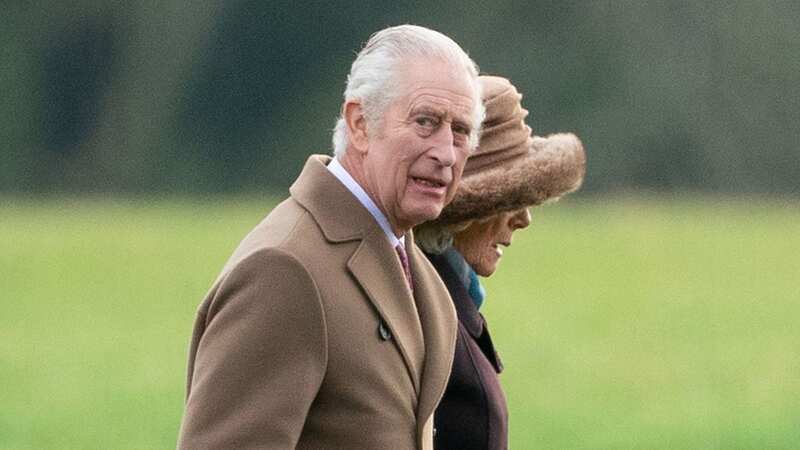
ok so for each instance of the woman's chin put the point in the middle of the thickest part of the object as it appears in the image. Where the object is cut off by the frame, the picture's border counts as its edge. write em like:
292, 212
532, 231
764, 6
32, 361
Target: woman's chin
486, 269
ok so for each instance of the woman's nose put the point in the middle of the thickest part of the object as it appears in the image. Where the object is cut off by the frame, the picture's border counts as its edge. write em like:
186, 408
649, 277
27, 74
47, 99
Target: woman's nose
522, 218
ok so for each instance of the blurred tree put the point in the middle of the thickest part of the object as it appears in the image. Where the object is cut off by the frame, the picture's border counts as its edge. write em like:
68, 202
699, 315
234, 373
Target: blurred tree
194, 97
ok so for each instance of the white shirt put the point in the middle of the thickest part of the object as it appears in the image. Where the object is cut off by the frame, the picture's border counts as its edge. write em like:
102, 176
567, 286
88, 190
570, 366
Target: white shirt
336, 168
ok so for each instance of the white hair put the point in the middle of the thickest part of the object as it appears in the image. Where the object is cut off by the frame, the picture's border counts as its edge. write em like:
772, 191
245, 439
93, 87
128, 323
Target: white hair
372, 79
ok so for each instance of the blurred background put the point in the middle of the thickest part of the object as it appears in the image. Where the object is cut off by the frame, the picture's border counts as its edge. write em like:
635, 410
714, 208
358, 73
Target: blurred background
188, 97
139, 141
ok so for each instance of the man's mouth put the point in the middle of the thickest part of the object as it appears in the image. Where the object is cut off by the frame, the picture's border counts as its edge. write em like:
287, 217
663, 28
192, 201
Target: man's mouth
433, 183
435, 187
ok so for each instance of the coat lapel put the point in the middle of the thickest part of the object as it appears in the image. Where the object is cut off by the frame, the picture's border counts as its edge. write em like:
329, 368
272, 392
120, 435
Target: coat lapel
439, 326
374, 263
377, 268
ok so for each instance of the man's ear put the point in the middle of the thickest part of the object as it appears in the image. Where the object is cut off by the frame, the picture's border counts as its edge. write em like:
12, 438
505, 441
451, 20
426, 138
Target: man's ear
356, 125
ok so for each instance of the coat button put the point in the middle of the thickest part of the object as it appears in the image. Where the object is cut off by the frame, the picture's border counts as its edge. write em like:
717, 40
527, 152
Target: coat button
383, 331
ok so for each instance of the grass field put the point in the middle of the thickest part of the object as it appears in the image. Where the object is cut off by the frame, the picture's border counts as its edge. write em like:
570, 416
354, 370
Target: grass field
623, 324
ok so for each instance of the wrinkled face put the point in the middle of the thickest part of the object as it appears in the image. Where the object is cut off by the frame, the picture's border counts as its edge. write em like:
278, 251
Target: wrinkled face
480, 243
415, 159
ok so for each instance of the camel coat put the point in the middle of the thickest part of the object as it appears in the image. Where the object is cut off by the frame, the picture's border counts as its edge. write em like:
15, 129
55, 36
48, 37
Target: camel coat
311, 339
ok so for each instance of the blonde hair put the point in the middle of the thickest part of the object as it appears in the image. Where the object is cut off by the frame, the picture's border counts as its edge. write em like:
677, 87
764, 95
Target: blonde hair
435, 239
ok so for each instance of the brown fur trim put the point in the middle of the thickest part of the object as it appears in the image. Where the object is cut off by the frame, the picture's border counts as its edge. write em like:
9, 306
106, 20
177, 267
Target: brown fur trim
553, 167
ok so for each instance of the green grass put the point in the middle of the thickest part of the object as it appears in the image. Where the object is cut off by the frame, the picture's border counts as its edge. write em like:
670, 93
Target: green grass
623, 324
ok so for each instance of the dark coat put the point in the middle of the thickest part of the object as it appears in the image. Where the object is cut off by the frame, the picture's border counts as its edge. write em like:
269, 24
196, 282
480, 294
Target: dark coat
472, 414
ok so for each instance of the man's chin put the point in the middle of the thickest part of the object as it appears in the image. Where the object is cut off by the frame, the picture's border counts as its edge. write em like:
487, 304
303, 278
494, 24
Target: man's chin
421, 215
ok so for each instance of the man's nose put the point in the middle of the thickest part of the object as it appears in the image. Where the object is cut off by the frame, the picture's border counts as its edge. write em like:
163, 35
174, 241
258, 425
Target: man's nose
443, 150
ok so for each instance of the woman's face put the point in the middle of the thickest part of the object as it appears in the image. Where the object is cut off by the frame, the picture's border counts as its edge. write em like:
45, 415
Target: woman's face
480, 242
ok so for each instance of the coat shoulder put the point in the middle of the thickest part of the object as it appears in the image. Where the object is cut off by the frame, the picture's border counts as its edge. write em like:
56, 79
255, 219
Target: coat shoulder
282, 229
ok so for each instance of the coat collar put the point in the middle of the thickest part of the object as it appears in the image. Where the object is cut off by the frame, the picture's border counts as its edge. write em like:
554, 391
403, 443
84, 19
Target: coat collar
468, 313
337, 212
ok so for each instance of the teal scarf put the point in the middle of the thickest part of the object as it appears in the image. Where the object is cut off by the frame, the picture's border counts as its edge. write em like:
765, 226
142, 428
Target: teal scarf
466, 275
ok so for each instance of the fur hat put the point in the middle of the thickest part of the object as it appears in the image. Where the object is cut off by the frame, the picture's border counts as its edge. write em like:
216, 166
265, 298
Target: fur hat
512, 168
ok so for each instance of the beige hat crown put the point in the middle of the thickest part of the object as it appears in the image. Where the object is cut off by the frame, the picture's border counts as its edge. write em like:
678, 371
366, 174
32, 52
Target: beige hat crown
504, 134
512, 168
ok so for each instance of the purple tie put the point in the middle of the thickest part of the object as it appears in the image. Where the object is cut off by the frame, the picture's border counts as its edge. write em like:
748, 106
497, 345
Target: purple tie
401, 252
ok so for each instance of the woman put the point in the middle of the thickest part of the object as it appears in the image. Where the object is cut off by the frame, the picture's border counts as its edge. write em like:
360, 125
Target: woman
511, 171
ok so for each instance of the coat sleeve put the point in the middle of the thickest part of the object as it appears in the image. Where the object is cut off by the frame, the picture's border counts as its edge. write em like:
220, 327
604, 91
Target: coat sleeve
258, 360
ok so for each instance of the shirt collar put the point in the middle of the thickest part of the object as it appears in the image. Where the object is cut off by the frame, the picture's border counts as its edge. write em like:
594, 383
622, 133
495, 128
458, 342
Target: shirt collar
336, 168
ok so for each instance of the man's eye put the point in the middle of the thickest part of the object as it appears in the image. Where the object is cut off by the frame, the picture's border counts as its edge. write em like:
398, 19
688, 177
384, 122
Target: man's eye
426, 121
460, 129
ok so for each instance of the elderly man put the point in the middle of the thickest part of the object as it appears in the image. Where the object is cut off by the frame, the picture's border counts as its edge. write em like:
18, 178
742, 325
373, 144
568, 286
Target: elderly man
327, 328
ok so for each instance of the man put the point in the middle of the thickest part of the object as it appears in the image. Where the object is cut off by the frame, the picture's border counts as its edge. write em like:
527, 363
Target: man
327, 328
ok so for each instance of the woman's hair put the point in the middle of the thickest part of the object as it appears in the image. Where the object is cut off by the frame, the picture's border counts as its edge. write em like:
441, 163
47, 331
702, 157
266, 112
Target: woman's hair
373, 75
435, 239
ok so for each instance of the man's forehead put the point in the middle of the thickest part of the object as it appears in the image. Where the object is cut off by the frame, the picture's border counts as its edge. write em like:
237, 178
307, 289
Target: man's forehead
441, 101
461, 86
437, 74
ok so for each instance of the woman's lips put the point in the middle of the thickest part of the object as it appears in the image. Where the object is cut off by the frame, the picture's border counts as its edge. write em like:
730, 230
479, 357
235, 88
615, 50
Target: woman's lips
498, 250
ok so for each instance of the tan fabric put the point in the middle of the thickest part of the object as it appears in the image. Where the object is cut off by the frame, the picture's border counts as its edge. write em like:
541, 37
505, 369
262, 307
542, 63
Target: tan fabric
504, 134
512, 168
287, 350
